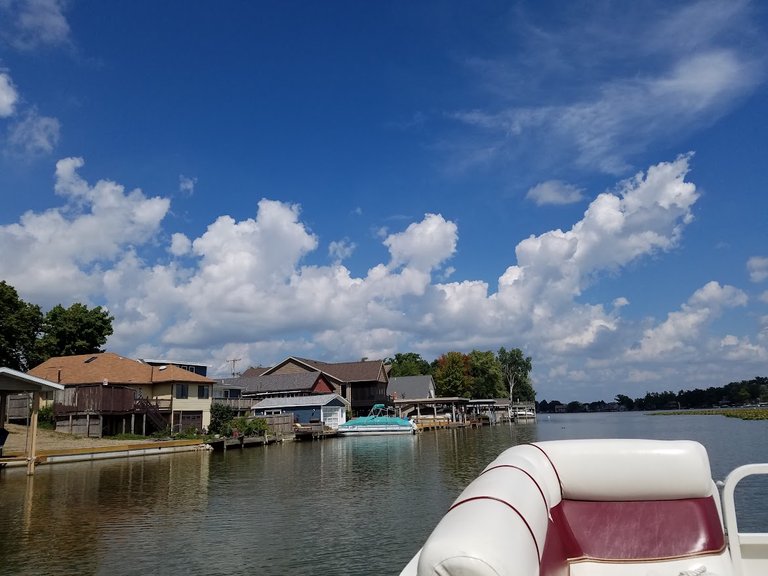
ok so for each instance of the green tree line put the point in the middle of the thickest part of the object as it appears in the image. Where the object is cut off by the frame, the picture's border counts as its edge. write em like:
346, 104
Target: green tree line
478, 374
28, 336
753, 391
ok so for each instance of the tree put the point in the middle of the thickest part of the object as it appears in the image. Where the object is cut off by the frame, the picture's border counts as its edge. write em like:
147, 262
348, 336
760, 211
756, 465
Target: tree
485, 373
407, 364
451, 374
20, 325
516, 369
625, 401
74, 330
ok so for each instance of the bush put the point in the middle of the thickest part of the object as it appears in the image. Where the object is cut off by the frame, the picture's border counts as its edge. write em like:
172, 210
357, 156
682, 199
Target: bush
249, 426
46, 418
221, 415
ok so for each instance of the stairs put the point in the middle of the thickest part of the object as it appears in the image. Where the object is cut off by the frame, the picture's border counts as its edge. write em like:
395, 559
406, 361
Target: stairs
144, 406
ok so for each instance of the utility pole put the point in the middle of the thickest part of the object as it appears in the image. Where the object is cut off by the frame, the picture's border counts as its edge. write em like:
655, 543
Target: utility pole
234, 361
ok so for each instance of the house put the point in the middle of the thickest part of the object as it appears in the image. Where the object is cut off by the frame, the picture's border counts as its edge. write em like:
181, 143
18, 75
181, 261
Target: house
254, 371
330, 409
109, 393
411, 387
362, 383
195, 367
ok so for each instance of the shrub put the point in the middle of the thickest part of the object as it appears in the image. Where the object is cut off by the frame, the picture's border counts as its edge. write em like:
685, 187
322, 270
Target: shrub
221, 415
45, 418
249, 426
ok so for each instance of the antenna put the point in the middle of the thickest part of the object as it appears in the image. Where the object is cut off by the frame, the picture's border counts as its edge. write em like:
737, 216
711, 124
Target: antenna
234, 361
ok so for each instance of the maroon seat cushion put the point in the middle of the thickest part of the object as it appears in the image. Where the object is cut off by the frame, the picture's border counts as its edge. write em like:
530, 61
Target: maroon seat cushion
640, 530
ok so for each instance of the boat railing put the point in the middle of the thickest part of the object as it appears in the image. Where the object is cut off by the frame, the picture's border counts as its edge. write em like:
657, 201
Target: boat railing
749, 550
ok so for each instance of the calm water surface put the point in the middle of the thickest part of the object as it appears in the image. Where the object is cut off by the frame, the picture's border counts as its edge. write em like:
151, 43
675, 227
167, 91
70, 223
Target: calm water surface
346, 506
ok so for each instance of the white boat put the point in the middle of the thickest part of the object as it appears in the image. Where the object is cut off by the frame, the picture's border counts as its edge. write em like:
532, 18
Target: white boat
596, 508
378, 421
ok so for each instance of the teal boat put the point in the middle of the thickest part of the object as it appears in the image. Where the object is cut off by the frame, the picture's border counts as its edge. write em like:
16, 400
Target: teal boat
378, 421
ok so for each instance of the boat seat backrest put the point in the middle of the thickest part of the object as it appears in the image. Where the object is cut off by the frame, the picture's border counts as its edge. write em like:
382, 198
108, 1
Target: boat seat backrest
539, 507
623, 470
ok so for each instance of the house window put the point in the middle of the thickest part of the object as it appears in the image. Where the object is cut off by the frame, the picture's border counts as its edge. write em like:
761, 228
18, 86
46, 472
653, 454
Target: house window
182, 391
203, 393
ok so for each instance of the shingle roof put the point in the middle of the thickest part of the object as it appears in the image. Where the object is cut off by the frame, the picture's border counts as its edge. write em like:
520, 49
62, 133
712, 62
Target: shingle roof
364, 370
254, 371
314, 400
115, 369
300, 381
411, 387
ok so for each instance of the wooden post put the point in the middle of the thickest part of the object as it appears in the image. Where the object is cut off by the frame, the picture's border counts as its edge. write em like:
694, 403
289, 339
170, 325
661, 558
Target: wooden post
3, 408
32, 440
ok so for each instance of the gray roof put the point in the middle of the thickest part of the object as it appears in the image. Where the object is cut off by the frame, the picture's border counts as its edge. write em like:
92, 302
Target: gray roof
411, 387
298, 401
362, 371
268, 383
14, 381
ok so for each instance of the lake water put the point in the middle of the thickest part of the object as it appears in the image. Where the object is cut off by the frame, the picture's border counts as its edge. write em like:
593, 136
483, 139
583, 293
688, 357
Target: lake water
345, 506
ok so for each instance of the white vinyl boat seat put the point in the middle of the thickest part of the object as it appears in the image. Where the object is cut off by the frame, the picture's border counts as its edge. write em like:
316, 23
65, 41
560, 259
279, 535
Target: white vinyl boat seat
546, 508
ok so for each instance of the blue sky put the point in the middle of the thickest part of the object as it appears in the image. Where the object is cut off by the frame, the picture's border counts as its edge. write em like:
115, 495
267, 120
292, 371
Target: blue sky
339, 180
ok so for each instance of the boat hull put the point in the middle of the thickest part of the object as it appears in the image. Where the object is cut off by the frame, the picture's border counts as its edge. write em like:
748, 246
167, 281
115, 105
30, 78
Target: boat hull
375, 430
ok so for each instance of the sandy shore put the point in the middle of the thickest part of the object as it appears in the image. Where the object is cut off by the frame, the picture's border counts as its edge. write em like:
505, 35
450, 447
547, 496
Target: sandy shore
50, 440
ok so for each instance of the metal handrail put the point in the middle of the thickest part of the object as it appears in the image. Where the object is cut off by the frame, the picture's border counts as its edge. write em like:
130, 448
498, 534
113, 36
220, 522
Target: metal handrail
729, 511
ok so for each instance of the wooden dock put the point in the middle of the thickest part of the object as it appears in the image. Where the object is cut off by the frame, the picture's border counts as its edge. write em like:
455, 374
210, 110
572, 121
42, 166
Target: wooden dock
433, 423
313, 431
224, 444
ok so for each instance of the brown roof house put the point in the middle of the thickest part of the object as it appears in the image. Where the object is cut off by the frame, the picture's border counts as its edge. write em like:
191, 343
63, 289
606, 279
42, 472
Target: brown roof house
362, 383
105, 393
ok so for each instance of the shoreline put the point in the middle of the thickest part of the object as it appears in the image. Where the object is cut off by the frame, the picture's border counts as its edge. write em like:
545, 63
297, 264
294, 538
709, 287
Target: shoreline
56, 447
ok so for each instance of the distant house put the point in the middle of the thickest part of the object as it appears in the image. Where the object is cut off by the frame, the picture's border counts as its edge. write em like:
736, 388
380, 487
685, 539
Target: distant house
411, 387
195, 367
330, 409
362, 383
108, 393
254, 371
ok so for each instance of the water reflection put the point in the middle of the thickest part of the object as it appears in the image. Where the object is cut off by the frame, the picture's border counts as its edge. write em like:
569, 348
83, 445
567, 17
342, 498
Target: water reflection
56, 522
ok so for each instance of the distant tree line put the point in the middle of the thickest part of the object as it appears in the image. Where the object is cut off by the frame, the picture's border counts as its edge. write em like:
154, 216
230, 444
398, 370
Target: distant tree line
29, 337
478, 374
741, 393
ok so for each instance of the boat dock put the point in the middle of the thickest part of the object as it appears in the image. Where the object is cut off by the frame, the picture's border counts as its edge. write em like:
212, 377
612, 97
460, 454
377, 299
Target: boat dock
224, 444
313, 431
423, 424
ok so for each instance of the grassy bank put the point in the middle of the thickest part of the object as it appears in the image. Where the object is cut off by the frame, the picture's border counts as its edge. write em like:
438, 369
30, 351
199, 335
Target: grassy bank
742, 413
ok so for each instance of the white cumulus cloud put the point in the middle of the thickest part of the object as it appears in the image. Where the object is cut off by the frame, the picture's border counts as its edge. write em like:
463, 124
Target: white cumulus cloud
244, 287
